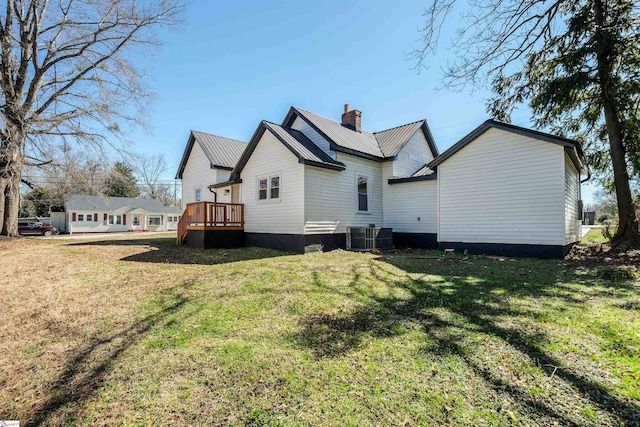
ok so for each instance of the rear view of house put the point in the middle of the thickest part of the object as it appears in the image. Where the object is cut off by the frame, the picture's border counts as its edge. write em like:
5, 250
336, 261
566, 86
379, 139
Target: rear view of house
305, 183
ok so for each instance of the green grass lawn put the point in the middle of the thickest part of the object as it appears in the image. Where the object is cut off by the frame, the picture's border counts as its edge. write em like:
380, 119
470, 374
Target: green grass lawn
594, 236
142, 332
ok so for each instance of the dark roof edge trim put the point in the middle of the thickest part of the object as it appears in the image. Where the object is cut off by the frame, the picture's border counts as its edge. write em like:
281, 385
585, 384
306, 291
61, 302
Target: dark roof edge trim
431, 177
432, 142
225, 184
322, 165
185, 155
226, 168
502, 126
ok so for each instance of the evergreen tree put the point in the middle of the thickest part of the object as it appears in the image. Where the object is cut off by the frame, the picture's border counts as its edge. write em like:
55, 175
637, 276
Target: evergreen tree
120, 182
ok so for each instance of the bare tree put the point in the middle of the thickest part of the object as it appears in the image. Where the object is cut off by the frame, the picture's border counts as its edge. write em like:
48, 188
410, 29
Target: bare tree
67, 76
149, 170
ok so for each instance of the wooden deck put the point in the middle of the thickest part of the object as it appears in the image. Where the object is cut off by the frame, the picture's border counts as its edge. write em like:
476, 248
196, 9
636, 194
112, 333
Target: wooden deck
210, 216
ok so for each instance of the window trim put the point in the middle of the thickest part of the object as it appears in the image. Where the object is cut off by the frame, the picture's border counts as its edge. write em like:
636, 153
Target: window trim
158, 217
357, 198
113, 219
269, 188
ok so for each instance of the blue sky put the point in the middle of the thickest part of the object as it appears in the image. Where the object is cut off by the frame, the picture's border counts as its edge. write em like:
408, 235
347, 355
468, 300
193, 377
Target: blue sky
233, 64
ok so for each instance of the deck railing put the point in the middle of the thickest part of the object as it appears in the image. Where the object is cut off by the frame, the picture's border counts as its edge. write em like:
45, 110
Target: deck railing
210, 215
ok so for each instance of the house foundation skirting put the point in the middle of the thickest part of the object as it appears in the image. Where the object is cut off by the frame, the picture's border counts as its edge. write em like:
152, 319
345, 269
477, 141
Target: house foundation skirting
297, 242
415, 240
508, 249
211, 239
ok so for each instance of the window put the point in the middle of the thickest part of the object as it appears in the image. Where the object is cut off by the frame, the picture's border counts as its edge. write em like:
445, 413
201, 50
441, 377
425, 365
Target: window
275, 187
198, 194
269, 187
114, 219
80, 217
89, 218
154, 220
171, 218
136, 220
363, 194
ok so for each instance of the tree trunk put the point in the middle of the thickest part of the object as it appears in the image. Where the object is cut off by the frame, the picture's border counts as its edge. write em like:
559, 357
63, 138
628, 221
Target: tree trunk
11, 161
2, 187
627, 234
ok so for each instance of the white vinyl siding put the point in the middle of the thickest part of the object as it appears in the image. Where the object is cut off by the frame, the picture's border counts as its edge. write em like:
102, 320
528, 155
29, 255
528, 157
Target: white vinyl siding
315, 137
503, 188
572, 198
198, 174
414, 155
331, 196
405, 203
286, 214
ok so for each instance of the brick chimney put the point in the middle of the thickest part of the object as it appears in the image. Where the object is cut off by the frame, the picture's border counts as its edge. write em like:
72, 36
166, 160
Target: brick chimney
352, 119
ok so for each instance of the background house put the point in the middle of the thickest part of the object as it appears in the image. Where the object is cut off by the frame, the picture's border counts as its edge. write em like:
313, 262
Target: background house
97, 214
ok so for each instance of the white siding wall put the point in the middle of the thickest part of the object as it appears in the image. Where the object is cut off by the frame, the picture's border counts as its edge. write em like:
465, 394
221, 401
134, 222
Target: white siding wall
572, 196
413, 155
198, 174
503, 188
331, 196
314, 136
285, 216
404, 203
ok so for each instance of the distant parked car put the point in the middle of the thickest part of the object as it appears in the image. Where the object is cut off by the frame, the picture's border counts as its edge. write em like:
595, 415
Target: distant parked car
32, 228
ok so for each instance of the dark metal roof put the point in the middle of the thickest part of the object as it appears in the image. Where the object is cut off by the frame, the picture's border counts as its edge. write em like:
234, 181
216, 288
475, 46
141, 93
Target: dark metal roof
223, 153
542, 136
107, 204
301, 146
422, 174
341, 136
306, 151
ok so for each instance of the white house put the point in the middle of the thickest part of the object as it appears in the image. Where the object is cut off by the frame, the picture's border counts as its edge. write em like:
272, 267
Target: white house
501, 189
97, 214
209, 159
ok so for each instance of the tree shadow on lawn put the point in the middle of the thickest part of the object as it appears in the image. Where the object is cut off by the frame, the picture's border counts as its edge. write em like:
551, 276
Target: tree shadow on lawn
167, 251
85, 373
465, 299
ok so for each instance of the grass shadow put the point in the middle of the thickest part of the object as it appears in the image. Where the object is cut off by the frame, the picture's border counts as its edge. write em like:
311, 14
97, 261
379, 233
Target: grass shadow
165, 250
83, 374
476, 296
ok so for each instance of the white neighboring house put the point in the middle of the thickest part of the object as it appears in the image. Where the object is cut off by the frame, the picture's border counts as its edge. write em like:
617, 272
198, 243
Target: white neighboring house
209, 159
501, 189
97, 214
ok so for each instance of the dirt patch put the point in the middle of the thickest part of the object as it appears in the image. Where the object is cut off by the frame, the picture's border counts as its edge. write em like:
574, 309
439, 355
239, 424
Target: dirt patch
603, 254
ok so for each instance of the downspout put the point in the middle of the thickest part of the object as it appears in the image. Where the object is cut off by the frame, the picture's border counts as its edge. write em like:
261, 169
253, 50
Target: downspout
215, 195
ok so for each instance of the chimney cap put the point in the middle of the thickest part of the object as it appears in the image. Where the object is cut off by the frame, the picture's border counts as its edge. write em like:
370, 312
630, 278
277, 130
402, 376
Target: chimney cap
346, 108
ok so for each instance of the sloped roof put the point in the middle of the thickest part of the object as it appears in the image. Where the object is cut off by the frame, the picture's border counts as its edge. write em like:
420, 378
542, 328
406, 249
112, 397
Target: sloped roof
362, 142
392, 140
378, 145
423, 174
575, 149
301, 146
222, 152
106, 204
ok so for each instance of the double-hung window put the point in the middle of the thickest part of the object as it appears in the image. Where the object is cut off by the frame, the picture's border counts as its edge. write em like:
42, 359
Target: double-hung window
269, 187
114, 220
362, 184
80, 217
